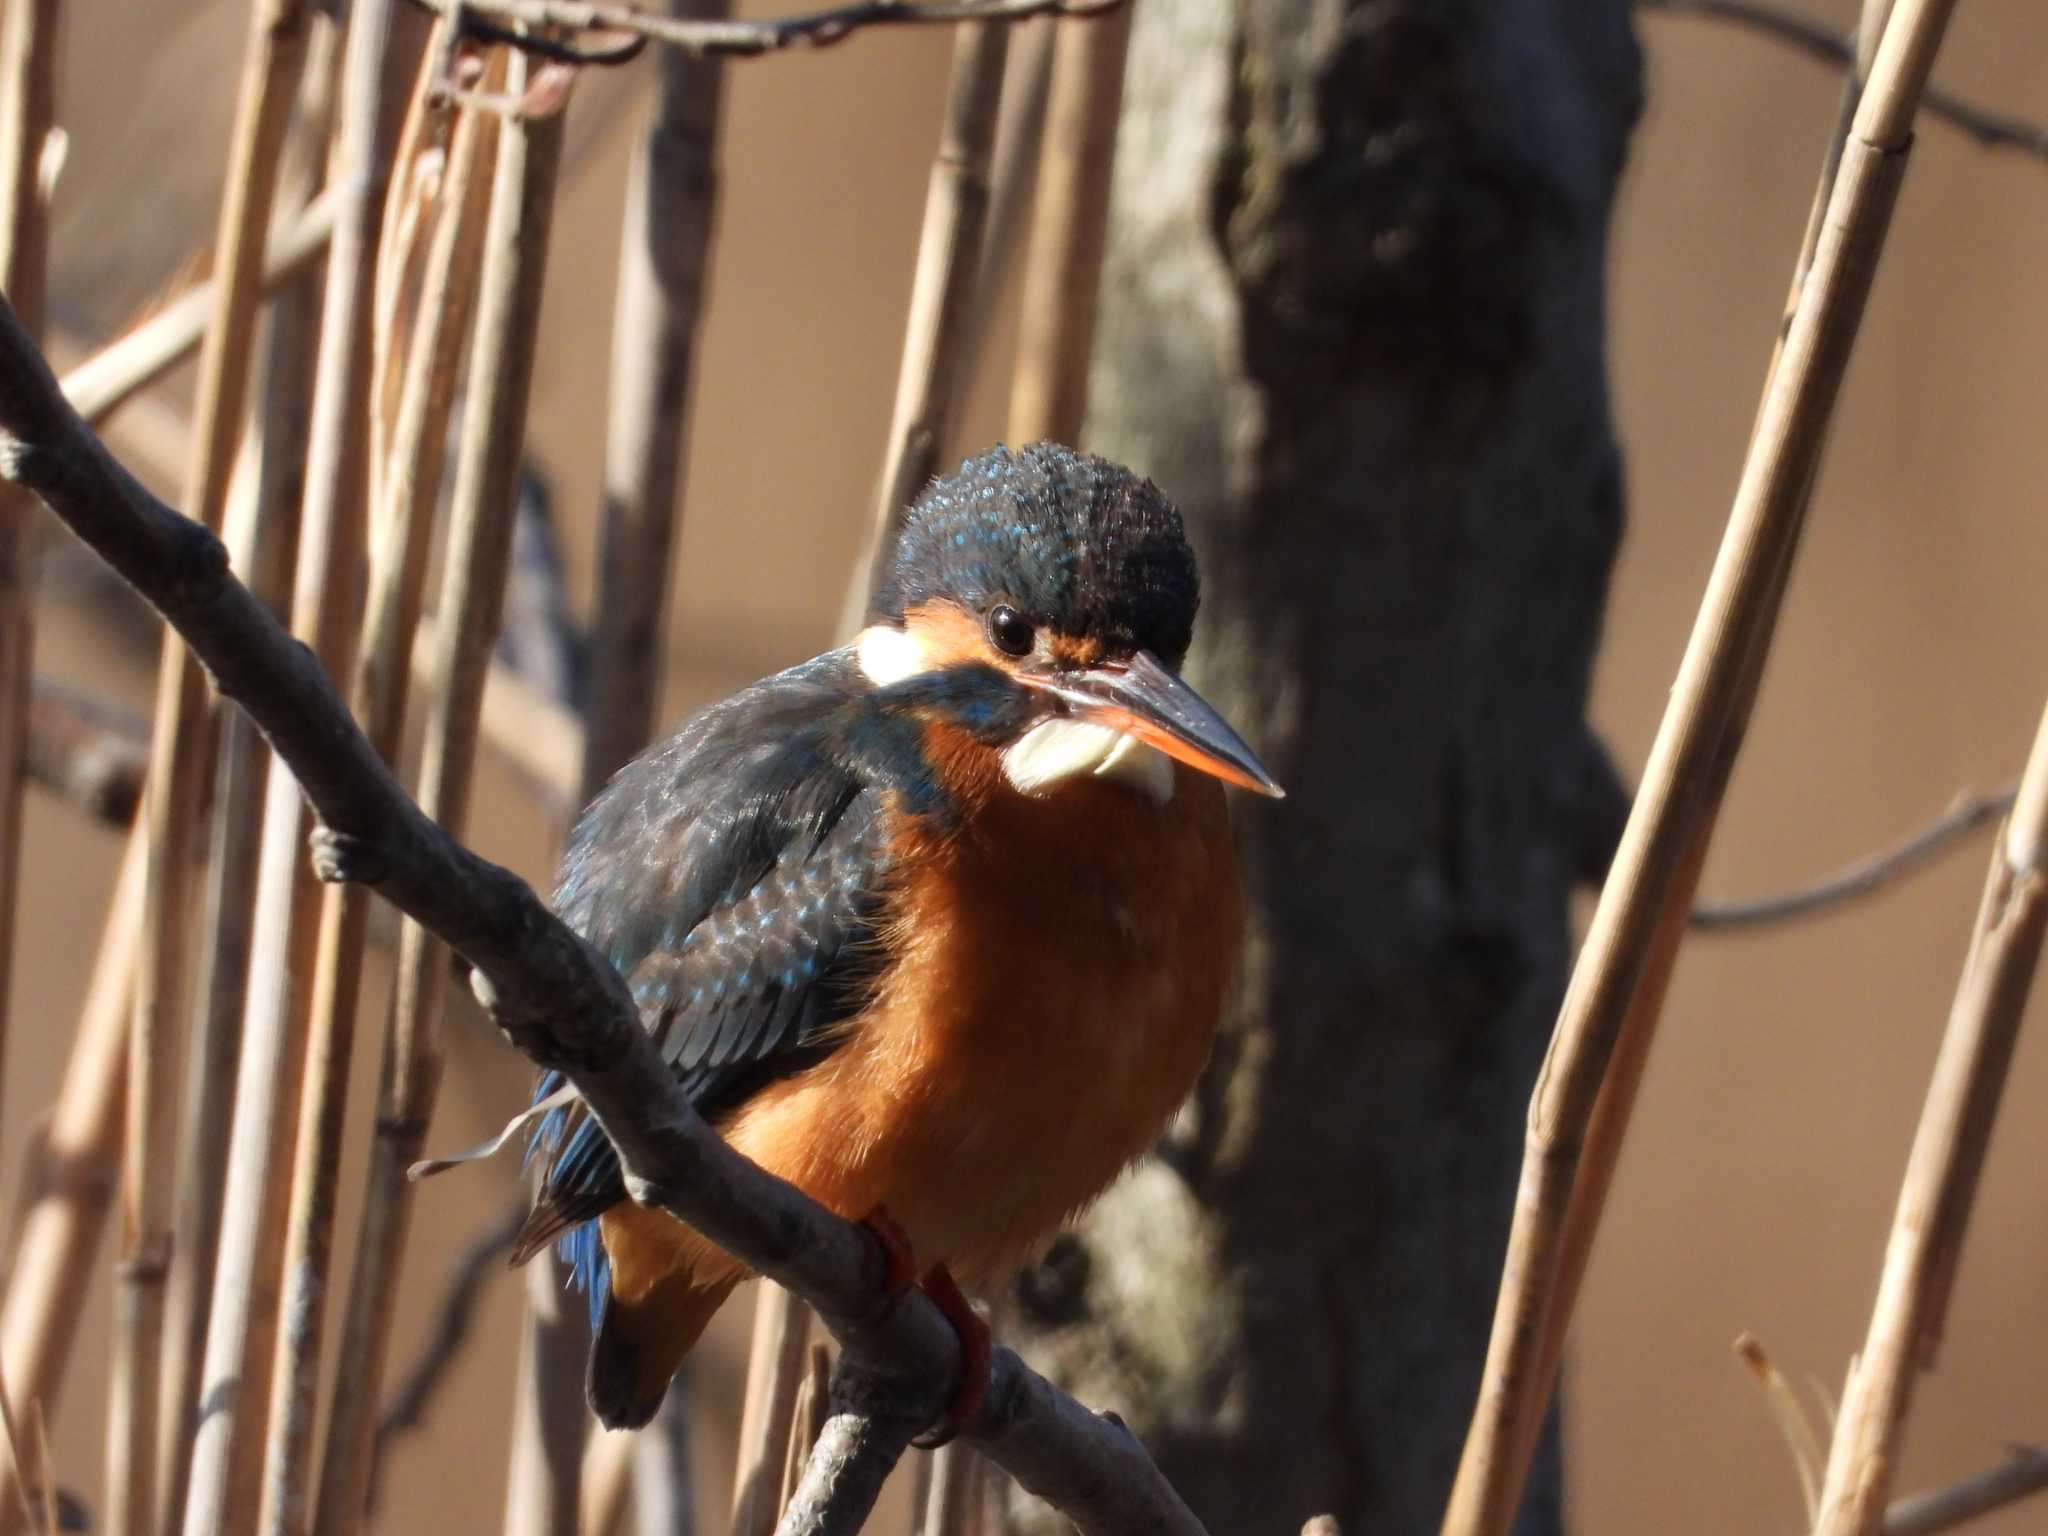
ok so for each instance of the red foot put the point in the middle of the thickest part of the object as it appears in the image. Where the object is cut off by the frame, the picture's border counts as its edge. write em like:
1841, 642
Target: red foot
976, 1353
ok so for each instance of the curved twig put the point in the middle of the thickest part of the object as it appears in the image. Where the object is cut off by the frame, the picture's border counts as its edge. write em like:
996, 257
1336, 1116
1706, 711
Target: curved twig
1866, 875
1992, 130
551, 992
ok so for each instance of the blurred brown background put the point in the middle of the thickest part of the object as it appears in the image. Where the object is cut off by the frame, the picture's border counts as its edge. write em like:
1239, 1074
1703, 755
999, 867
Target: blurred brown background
1760, 1181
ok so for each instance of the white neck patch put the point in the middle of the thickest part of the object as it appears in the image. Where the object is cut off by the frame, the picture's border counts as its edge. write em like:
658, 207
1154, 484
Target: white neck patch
889, 655
1054, 751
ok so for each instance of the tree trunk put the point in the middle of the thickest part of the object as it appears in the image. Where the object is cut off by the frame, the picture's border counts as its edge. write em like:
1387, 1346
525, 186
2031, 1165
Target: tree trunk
1353, 322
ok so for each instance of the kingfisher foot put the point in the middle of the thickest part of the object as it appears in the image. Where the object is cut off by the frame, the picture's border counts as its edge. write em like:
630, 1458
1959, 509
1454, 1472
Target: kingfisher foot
977, 1353
899, 1272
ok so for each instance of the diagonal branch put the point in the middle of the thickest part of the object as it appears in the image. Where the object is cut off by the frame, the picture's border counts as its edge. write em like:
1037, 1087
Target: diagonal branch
549, 990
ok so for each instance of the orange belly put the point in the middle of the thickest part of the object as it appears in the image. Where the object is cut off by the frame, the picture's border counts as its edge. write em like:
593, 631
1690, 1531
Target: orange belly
1063, 965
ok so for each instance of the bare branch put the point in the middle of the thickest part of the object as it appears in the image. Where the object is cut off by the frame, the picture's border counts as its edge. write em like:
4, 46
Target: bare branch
855, 1453
2020, 1476
550, 991
1993, 130
1866, 875
815, 29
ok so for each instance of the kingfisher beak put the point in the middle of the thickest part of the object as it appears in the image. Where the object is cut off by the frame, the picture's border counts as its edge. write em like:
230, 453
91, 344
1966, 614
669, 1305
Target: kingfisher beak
1140, 698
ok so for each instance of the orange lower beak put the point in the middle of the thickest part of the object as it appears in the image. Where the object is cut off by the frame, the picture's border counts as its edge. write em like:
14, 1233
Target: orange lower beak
1145, 701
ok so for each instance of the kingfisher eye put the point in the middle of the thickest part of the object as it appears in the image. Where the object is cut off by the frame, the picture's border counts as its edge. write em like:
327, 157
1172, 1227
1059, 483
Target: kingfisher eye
1009, 631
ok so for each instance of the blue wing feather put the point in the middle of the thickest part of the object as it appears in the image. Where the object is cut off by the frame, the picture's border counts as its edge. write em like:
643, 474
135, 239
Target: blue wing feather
734, 875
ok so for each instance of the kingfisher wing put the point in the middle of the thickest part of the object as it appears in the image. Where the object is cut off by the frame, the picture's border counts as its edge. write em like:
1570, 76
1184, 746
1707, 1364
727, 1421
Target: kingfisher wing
734, 875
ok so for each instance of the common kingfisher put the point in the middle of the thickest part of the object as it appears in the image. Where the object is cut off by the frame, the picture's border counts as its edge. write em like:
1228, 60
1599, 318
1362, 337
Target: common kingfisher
936, 926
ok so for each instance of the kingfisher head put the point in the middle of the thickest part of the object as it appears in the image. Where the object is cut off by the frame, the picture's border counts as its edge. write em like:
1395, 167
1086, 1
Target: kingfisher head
1043, 600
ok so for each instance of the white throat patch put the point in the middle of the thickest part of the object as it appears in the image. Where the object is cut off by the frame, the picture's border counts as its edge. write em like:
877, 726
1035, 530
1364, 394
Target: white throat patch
1057, 750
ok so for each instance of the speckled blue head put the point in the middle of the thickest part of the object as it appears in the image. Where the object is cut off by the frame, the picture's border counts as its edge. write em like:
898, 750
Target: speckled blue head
1071, 540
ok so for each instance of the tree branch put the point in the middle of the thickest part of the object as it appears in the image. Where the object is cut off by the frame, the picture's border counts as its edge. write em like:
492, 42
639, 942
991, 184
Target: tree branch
87, 750
2020, 1476
1866, 875
550, 991
815, 29
1992, 130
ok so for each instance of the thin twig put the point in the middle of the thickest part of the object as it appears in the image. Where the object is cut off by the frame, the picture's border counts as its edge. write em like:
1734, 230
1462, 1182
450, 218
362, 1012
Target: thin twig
775, 1375
2021, 1475
942, 294
28, 90
814, 29
1069, 232
90, 752
1631, 934
1940, 1183
454, 1318
1866, 875
17, 1455
1993, 130
552, 993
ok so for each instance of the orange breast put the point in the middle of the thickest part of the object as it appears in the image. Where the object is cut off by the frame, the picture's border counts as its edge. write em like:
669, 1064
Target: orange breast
1064, 963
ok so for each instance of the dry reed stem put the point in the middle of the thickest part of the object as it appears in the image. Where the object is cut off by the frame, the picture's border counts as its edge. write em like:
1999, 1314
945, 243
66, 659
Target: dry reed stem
554, 996
81, 1150
28, 72
540, 738
179, 759
1948, 1154
227, 1478
1615, 1105
1069, 227
408, 495
404, 518
811, 1410
544, 1482
126, 366
664, 255
46, 1466
607, 1481
776, 1370
664, 1492
2020, 1476
263, 532
942, 294
1702, 727
17, 1455
949, 1493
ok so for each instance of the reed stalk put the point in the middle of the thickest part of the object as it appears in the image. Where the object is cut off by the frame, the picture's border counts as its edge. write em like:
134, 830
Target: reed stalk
80, 1164
226, 1479
777, 1364
1940, 1184
1069, 230
1673, 811
179, 760
28, 94
404, 519
943, 292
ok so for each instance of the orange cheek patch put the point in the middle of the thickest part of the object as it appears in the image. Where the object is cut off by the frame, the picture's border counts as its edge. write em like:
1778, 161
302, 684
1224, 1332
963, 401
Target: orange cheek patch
947, 634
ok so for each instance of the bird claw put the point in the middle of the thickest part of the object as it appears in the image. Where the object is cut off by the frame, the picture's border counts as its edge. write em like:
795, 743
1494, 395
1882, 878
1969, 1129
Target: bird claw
977, 1350
977, 1354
